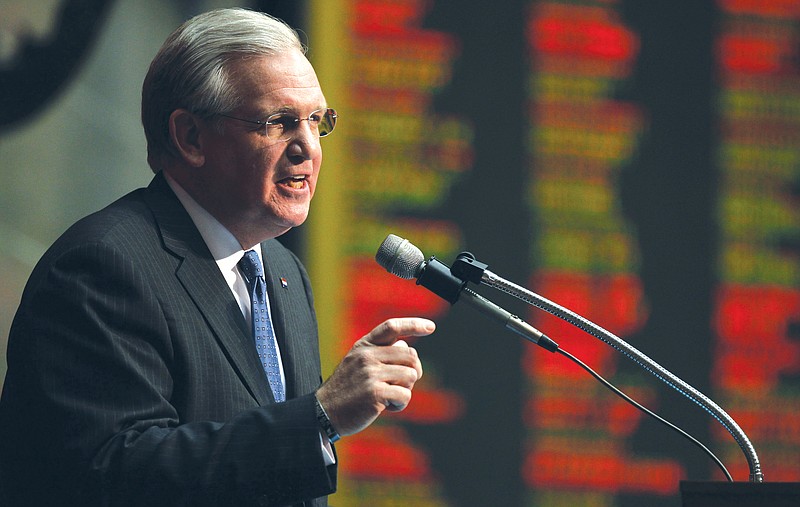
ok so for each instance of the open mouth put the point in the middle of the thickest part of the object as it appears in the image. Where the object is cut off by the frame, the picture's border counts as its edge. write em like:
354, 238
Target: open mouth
296, 182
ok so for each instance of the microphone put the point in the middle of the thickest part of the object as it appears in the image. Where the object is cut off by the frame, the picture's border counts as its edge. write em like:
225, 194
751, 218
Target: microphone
401, 258
467, 269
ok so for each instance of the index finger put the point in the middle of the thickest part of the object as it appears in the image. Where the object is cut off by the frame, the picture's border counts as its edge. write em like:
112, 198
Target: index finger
389, 331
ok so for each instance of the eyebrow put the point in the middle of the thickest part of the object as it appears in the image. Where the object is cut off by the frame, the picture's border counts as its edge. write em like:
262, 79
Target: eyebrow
293, 110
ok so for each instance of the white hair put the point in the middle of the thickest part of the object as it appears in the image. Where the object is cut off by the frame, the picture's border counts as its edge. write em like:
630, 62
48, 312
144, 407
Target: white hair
190, 70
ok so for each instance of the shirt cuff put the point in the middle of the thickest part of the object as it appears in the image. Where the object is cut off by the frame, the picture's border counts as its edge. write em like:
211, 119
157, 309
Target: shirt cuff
327, 449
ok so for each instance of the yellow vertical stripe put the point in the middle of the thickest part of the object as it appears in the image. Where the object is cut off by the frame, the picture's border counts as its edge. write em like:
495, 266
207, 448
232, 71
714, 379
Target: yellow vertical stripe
329, 51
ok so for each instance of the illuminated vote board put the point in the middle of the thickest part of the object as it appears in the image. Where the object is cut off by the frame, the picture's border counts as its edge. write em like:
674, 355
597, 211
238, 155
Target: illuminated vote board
636, 162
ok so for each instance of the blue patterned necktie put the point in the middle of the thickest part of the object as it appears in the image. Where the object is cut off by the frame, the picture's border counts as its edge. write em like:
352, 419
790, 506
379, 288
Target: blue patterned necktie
264, 335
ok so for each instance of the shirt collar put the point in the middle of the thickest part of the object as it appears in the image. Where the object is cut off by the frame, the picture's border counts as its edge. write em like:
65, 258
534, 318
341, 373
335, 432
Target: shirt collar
223, 245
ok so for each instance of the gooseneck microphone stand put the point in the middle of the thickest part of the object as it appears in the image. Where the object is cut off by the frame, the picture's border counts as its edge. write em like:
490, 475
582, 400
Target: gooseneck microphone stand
467, 268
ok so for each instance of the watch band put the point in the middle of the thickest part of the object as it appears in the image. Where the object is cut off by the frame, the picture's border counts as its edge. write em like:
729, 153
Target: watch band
325, 422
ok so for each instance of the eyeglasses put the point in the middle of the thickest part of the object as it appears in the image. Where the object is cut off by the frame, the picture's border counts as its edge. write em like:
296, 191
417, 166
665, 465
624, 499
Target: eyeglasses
283, 126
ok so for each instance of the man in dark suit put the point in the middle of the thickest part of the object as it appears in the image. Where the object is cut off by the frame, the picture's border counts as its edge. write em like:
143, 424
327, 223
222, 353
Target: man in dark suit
133, 376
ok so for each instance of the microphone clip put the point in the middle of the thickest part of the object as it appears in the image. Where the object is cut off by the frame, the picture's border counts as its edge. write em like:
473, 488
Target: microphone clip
468, 268
436, 277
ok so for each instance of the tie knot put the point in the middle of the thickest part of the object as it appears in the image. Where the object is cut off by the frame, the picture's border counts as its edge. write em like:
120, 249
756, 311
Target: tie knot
251, 267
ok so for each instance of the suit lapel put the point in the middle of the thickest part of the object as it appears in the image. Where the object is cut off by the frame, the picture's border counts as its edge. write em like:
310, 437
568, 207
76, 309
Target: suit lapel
205, 285
295, 329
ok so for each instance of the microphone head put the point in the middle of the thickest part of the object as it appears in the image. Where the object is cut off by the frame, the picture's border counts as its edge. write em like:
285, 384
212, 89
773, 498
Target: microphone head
399, 257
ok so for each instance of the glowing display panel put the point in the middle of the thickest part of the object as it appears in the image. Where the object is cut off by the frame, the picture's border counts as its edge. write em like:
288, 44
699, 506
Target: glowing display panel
636, 162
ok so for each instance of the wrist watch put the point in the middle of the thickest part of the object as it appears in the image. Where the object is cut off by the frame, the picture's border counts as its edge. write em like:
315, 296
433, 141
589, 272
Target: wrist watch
325, 422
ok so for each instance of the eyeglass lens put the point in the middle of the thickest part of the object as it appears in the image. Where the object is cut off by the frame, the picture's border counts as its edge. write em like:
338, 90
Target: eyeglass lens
284, 125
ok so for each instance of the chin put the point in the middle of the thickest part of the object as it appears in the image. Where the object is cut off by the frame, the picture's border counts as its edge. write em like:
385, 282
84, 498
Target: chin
294, 220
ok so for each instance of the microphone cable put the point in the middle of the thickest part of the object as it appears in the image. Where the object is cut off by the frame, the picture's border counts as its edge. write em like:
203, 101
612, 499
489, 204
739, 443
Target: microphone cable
646, 410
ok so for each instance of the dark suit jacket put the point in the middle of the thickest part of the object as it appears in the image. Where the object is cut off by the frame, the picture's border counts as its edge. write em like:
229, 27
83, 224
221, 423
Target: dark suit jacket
133, 380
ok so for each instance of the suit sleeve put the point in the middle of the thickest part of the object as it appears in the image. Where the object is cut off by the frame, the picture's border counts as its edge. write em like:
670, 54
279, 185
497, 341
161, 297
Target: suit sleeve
92, 406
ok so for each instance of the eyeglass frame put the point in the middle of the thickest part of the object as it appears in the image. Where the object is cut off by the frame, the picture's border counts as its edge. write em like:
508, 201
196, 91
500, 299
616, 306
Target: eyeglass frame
297, 119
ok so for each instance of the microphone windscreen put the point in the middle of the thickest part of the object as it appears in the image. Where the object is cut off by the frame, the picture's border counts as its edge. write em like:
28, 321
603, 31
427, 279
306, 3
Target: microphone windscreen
399, 257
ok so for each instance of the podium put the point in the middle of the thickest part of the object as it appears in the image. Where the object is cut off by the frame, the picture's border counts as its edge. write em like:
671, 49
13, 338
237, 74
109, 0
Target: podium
740, 494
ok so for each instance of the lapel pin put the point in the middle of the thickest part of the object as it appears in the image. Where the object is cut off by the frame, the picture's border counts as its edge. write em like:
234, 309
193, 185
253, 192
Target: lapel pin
284, 283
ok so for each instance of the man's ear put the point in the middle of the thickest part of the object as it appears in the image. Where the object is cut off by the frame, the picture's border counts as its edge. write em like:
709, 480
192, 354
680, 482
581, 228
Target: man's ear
184, 130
